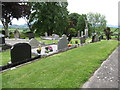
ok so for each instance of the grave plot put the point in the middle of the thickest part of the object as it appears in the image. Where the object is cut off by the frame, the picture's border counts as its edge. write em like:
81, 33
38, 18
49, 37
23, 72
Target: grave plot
20, 53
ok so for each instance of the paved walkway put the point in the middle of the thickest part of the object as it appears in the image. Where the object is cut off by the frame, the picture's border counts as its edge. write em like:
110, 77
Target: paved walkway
107, 75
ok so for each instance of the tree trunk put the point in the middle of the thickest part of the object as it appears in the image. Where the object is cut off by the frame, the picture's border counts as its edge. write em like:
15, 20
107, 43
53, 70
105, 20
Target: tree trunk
5, 25
6, 30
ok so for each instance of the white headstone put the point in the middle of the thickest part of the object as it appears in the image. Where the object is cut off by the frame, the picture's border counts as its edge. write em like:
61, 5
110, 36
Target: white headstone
62, 43
34, 43
86, 29
46, 35
82, 34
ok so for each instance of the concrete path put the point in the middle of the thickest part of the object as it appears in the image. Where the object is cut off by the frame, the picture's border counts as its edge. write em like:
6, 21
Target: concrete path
107, 75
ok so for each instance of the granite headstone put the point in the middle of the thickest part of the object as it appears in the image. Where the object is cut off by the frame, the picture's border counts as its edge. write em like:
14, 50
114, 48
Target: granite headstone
62, 43
31, 35
20, 52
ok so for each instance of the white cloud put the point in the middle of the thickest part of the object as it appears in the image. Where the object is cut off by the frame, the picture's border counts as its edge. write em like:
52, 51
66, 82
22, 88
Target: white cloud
109, 8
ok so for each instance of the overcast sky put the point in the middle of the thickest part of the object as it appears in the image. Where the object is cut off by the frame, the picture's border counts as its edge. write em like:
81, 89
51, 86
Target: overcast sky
109, 8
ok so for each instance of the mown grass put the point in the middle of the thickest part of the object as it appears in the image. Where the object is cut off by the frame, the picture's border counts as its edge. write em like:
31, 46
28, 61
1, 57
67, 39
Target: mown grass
70, 69
5, 57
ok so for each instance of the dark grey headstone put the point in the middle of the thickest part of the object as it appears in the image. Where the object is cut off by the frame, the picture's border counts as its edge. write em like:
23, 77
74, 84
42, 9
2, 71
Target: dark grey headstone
20, 52
2, 39
95, 38
62, 43
3, 32
31, 35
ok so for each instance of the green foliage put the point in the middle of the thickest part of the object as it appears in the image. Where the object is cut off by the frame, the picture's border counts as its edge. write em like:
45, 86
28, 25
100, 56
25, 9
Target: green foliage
72, 31
70, 69
73, 19
50, 17
81, 23
97, 22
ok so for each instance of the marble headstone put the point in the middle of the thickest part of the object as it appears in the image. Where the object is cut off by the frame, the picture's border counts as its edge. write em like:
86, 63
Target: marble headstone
46, 35
55, 36
34, 43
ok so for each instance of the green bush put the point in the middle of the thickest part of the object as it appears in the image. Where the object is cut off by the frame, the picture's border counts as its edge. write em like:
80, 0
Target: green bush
72, 31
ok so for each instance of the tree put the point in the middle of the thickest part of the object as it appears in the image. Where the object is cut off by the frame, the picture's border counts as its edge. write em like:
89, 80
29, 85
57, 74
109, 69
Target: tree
26, 11
81, 23
10, 10
50, 17
73, 19
97, 21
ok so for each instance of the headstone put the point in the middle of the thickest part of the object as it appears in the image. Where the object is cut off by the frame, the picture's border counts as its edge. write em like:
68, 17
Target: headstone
31, 35
78, 34
95, 37
82, 34
16, 34
69, 37
46, 35
34, 43
55, 36
62, 43
82, 39
20, 52
2, 39
100, 37
86, 29
3, 32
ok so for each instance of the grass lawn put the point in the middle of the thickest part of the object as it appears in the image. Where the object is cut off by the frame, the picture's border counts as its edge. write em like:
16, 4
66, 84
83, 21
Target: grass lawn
70, 69
5, 57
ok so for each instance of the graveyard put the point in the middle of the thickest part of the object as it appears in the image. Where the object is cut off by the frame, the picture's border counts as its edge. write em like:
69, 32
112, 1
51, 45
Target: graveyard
56, 50
57, 70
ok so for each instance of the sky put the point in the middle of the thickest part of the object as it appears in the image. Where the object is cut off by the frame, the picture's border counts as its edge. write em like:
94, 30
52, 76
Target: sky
109, 8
